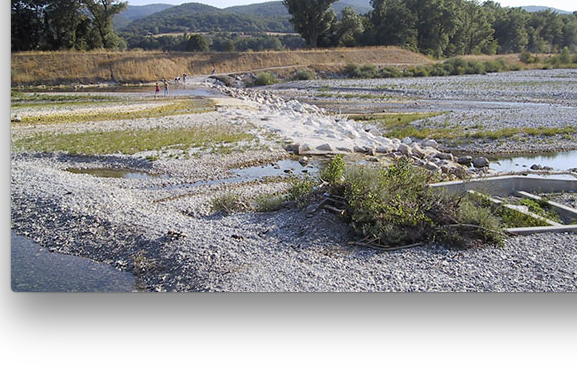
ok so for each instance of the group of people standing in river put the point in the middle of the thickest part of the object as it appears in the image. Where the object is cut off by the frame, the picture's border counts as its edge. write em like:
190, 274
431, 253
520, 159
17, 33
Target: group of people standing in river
177, 80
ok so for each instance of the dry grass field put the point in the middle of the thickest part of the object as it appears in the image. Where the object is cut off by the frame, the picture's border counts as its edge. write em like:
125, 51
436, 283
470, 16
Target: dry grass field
65, 67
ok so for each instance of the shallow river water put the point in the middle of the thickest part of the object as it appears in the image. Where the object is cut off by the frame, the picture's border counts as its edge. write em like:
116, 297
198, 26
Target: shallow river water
36, 269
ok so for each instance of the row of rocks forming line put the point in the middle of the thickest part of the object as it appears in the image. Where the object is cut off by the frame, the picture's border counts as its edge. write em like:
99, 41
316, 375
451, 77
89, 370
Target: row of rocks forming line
321, 135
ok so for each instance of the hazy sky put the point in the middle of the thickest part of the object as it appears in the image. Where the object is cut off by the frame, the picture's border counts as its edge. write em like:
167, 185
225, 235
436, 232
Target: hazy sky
567, 5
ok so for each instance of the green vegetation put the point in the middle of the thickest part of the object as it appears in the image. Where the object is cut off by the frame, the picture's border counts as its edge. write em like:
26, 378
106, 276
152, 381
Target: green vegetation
399, 126
265, 78
333, 172
171, 107
304, 74
228, 203
396, 120
35, 99
266, 203
541, 208
452, 66
65, 24
132, 141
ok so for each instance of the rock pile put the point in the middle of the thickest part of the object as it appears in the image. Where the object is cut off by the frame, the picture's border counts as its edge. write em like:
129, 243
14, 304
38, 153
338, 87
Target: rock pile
307, 130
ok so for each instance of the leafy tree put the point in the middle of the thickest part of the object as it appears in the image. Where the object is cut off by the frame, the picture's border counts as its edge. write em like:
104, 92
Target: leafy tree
394, 23
311, 18
102, 12
474, 32
197, 42
510, 31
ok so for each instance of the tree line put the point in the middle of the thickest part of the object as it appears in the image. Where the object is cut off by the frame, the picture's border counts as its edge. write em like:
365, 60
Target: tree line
65, 24
440, 28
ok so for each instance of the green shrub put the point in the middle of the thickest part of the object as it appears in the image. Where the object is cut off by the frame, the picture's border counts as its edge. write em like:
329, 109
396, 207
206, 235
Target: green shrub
493, 66
419, 71
475, 67
265, 78
301, 190
390, 72
304, 74
438, 70
565, 56
266, 202
389, 205
369, 71
227, 203
527, 58
353, 70
333, 172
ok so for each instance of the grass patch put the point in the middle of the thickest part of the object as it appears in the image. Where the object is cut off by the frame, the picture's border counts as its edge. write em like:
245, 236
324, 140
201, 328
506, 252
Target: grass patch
133, 141
228, 203
36, 99
175, 107
394, 120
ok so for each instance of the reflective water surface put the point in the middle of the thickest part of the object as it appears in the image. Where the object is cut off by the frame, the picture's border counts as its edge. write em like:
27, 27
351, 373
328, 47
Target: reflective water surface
36, 269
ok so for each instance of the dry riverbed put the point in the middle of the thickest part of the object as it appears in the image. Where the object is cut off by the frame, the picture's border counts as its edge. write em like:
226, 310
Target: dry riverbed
160, 227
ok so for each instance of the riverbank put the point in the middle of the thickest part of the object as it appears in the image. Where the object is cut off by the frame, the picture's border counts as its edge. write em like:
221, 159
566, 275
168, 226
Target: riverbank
162, 229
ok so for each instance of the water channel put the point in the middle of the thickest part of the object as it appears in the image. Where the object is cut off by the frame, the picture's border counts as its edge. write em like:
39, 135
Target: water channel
36, 269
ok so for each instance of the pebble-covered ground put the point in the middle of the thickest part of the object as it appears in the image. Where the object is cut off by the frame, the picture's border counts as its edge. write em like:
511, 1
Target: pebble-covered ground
495, 101
163, 231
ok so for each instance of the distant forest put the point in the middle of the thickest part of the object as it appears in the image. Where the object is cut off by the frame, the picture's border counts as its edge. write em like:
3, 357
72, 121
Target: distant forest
440, 28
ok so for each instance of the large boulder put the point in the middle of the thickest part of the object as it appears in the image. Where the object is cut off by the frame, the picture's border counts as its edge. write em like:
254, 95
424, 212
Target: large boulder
404, 149
465, 160
481, 162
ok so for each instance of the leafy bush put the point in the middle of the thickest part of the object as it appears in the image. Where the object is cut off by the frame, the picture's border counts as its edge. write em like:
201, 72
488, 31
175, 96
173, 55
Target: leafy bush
438, 70
227, 203
395, 206
475, 67
352, 70
389, 205
565, 56
301, 190
266, 202
390, 72
304, 74
416, 71
333, 172
527, 58
366, 71
265, 78
493, 66
369, 71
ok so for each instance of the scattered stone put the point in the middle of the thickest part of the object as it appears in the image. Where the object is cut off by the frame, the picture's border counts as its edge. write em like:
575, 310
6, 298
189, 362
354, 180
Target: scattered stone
407, 140
325, 147
465, 160
404, 149
480, 162
345, 149
431, 143
444, 156
431, 166
16, 119
417, 151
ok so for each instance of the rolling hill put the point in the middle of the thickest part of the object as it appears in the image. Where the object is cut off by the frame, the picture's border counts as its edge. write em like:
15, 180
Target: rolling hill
538, 8
196, 17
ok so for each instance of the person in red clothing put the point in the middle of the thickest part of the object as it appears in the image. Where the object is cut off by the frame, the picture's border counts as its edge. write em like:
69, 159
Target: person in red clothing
157, 90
